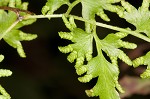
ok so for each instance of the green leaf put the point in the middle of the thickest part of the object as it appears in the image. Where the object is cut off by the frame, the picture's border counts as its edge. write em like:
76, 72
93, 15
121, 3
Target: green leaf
140, 17
90, 8
143, 60
106, 73
13, 36
81, 47
53, 5
82, 43
111, 44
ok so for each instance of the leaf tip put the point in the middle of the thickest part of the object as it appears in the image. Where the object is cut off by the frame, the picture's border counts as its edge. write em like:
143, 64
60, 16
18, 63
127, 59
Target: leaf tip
85, 78
89, 93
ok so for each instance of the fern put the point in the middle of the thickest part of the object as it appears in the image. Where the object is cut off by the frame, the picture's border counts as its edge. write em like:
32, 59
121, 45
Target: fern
81, 49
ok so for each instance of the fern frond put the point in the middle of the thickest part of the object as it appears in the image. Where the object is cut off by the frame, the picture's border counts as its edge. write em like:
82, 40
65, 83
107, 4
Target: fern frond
98, 66
82, 43
9, 27
106, 73
81, 48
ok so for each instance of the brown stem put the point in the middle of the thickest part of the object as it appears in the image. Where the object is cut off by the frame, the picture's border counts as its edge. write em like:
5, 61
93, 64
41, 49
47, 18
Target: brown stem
16, 10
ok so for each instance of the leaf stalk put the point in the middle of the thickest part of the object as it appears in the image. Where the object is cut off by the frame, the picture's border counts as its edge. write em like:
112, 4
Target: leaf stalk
72, 5
134, 33
9, 29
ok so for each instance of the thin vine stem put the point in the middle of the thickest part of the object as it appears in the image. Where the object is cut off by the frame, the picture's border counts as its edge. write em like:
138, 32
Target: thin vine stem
42, 16
134, 33
71, 6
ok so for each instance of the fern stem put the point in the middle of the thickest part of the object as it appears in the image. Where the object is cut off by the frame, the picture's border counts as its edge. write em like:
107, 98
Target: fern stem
136, 34
72, 5
97, 40
9, 29
43, 16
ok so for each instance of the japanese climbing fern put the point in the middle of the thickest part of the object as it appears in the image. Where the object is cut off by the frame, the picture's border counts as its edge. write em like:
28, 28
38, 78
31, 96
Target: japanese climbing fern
81, 49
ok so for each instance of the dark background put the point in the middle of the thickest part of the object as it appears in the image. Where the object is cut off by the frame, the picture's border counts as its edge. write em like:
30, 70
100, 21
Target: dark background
46, 73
